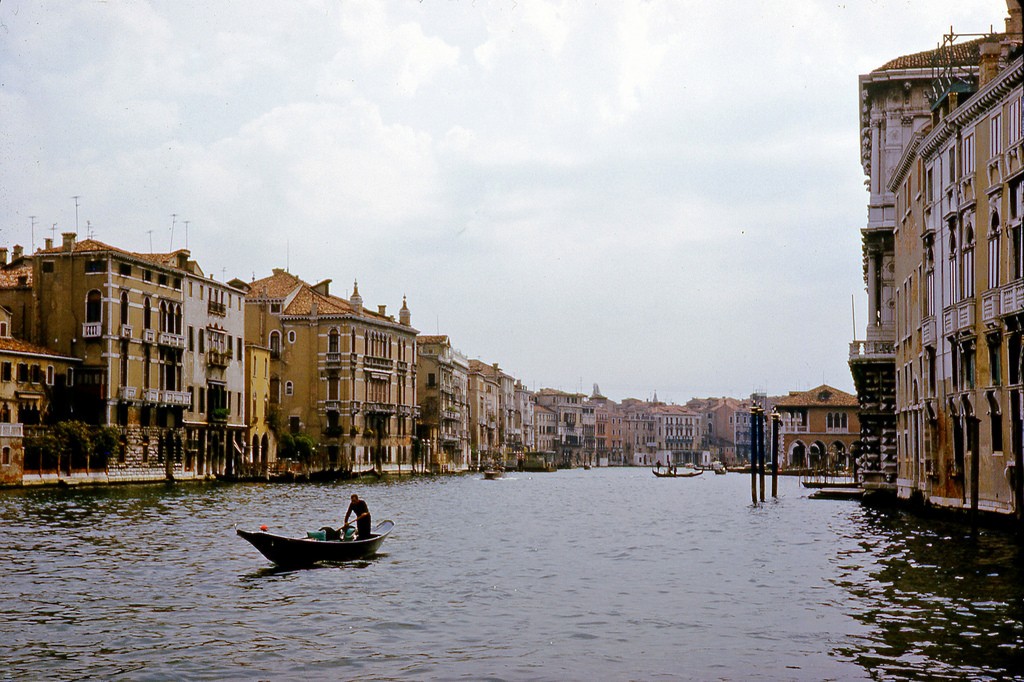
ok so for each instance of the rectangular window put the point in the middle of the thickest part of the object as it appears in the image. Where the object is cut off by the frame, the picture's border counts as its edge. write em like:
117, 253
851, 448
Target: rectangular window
202, 399
191, 339
993, 262
239, 344
47, 266
968, 154
96, 266
22, 372
5, 371
124, 269
147, 276
995, 362
995, 135
1015, 120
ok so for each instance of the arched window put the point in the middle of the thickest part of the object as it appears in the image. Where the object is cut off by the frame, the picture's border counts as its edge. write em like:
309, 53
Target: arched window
291, 336
124, 307
275, 344
954, 277
333, 341
94, 306
993, 252
967, 287
147, 314
289, 388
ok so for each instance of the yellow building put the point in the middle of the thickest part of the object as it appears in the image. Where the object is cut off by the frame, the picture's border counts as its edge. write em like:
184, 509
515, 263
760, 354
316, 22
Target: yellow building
938, 373
128, 318
340, 374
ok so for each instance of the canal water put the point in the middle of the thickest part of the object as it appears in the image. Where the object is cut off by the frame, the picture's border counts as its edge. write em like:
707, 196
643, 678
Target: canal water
607, 574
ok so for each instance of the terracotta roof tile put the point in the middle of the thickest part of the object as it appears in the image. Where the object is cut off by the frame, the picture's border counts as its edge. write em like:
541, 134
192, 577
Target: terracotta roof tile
822, 396
18, 346
10, 275
967, 53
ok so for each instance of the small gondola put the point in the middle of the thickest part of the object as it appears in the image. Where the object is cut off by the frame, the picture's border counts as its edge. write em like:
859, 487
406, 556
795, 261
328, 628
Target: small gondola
297, 552
677, 474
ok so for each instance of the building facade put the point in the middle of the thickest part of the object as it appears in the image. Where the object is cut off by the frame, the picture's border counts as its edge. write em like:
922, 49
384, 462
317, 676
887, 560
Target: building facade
939, 375
342, 377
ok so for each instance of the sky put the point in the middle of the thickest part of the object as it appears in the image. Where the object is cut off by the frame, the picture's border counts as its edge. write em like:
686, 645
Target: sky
658, 197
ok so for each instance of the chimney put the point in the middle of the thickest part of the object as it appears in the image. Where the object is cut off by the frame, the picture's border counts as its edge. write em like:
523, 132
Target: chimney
49, 243
3, 255
382, 310
988, 66
323, 288
17, 253
69, 241
1013, 22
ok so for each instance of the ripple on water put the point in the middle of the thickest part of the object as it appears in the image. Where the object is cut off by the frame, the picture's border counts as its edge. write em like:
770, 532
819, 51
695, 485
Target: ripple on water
572, 575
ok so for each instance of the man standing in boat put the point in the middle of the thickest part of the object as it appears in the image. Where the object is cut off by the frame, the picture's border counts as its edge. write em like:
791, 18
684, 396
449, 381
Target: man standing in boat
362, 519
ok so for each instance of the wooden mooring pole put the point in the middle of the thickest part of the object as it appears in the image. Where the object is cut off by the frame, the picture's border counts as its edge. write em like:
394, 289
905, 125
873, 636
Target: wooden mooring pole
761, 454
775, 453
753, 454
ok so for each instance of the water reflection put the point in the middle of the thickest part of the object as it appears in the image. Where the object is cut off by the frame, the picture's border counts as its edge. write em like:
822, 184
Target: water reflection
572, 575
938, 600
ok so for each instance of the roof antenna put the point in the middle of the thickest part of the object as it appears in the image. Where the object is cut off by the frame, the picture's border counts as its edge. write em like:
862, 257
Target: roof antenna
174, 218
33, 219
76, 198
186, 234
150, 233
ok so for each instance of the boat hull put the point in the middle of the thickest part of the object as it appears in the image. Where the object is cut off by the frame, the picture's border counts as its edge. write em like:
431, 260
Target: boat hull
688, 474
285, 551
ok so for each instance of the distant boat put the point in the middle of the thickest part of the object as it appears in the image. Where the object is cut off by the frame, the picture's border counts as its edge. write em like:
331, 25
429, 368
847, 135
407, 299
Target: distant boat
492, 474
298, 552
837, 494
676, 474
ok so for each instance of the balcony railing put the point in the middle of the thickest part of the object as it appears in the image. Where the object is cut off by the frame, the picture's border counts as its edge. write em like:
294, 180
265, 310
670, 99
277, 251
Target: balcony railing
450, 414
151, 395
990, 305
928, 331
149, 335
216, 308
172, 340
182, 398
403, 366
371, 362
126, 331
11, 431
1011, 297
333, 359
332, 405
92, 330
872, 350
378, 408
216, 358
127, 392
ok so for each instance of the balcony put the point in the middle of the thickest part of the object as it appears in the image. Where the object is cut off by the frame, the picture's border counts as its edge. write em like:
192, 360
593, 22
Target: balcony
1011, 297
151, 395
928, 331
215, 308
126, 331
370, 362
127, 393
332, 405
217, 358
172, 340
960, 316
452, 415
180, 398
990, 305
92, 330
403, 366
149, 335
333, 359
11, 431
872, 350
378, 408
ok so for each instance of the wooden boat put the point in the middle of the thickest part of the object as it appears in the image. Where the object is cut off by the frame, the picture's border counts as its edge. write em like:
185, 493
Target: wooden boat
677, 474
492, 474
830, 484
837, 494
295, 552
